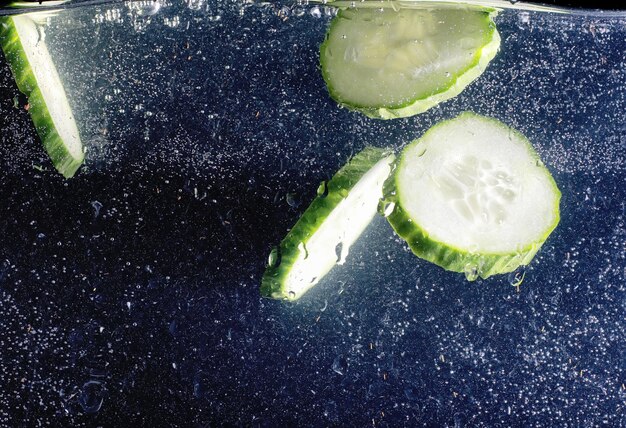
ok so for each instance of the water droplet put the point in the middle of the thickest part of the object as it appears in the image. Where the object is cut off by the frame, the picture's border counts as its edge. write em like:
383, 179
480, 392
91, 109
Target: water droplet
303, 250
274, 258
292, 200
339, 253
471, 272
173, 328
315, 12
41, 235
341, 287
96, 206
91, 396
517, 276
340, 364
322, 190
387, 208
198, 386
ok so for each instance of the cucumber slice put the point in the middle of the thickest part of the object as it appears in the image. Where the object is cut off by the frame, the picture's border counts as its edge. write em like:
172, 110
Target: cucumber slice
329, 226
389, 64
472, 196
37, 77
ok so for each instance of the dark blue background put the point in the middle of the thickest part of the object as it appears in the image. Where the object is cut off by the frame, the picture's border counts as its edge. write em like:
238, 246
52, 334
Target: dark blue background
129, 294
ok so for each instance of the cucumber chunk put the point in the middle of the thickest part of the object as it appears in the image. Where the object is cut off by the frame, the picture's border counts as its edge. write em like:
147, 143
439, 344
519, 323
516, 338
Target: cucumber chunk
36, 76
472, 196
389, 64
329, 226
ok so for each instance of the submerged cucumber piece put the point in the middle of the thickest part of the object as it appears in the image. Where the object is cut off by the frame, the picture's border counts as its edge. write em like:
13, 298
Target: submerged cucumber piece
472, 196
37, 77
388, 64
329, 226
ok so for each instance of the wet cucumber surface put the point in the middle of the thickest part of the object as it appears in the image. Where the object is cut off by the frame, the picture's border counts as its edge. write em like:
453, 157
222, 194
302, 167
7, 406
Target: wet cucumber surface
130, 293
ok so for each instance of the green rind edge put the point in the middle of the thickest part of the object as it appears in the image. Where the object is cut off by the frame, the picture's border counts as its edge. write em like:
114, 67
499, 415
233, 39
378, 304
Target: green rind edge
11, 44
450, 257
474, 69
273, 281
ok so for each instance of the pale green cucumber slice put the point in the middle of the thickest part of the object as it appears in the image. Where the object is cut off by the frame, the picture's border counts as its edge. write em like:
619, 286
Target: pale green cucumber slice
322, 237
389, 64
472, 196
36, 76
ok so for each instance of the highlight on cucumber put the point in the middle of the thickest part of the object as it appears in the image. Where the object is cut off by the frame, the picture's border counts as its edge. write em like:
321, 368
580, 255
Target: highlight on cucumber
336, 218
472, 196
36, 76
31, 4
388, 63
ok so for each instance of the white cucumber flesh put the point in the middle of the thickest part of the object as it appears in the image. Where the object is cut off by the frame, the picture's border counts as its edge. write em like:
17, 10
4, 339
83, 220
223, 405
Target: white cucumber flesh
473, 196
390, 63
327, 229
36, 76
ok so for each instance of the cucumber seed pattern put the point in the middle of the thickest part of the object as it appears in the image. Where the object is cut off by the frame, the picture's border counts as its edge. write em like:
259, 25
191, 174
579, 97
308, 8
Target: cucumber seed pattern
477, 191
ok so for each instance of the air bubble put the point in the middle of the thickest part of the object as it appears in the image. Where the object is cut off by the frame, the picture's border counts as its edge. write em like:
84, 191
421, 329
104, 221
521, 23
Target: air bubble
292, 201
91, 396
516, 277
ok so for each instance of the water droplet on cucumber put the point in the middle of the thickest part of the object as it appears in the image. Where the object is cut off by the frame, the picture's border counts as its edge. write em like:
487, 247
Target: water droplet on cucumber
274, 258
322, 190
385, 207
303, 250
471, 272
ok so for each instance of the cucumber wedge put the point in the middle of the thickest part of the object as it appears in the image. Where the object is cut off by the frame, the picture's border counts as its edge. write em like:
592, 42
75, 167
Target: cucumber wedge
472, 196
329, 226
37, 78
390, 64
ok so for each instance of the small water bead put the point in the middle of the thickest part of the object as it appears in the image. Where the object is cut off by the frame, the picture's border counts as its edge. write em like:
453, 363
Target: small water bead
315, 12
389, 208
471, 272
274, 258
340, 365
339, 253
292, 200
303, 249
322, 189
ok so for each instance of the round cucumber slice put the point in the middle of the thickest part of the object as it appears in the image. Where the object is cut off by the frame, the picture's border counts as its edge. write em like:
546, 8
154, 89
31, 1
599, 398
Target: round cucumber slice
472, 196
329, 226
37, 77
389, 64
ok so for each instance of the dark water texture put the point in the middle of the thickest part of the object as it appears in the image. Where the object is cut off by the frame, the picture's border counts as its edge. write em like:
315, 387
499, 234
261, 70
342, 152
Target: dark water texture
129, 294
